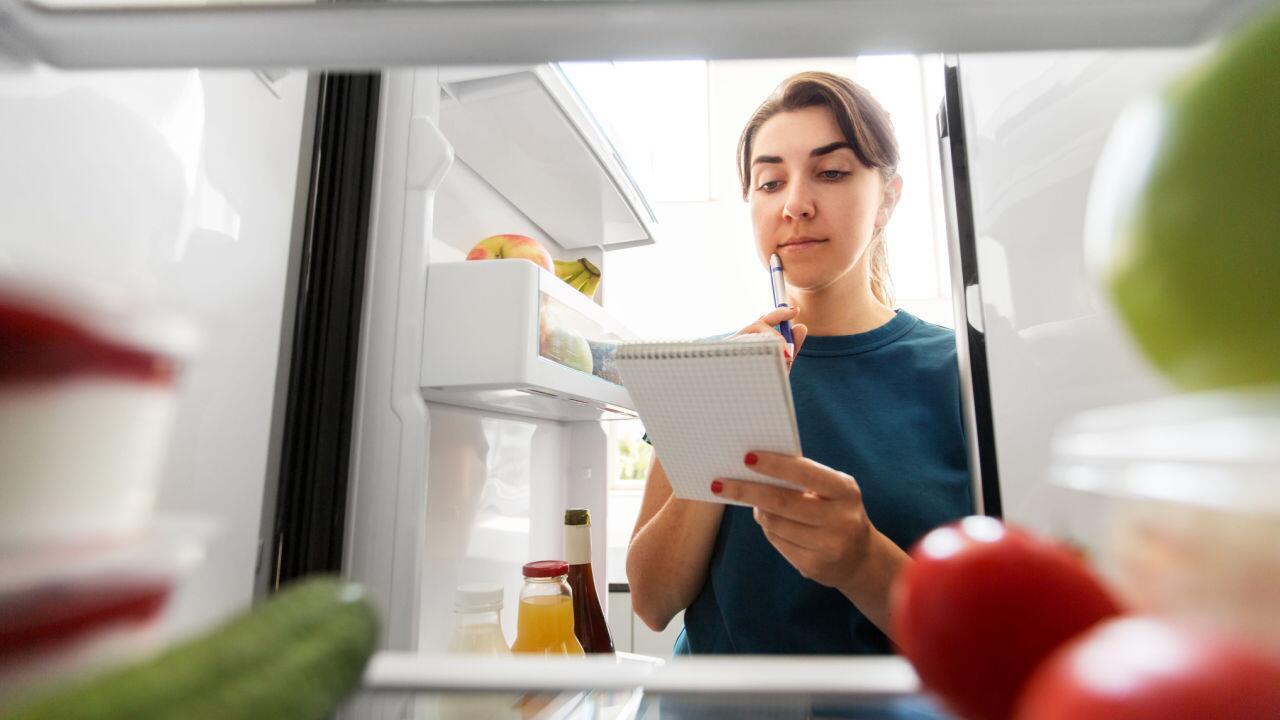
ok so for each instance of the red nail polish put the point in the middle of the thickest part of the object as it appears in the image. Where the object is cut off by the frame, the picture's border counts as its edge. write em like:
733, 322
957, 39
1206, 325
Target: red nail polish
716, 486
750, 459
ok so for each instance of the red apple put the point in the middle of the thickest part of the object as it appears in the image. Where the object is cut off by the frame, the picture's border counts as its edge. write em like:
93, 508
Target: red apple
511, 246
1143, 668
983, 604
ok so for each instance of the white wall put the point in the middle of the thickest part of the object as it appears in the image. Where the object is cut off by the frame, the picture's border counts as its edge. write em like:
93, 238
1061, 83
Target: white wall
179, 188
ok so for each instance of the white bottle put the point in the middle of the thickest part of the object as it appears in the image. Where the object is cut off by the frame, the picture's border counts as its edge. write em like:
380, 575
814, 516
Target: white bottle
477, 626
477, 631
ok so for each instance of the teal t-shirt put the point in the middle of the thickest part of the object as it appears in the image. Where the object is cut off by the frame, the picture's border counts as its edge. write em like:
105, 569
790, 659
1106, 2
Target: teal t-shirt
883, 406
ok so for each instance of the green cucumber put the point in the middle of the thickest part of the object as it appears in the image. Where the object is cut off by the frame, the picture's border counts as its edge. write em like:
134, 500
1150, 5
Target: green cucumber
294, 657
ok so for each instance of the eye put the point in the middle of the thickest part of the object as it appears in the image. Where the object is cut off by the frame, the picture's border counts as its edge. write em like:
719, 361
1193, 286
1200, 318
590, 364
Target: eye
769, 185
834, 174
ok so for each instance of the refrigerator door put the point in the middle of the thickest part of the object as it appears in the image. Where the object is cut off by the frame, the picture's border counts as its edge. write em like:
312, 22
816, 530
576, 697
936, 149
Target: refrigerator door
966, 292
366, 35
1035, 125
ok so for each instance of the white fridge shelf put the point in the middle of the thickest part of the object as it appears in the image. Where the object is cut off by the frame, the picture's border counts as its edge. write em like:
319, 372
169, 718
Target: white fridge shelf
507, 335
370, 35
528, 135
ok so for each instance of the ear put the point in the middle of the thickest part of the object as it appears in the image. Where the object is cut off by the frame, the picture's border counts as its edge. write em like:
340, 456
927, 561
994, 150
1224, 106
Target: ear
892, 192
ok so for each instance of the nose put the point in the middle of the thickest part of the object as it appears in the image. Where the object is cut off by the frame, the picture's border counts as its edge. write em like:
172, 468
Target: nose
799, 205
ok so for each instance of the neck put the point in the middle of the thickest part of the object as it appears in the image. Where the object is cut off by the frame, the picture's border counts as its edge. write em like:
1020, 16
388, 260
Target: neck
843, 307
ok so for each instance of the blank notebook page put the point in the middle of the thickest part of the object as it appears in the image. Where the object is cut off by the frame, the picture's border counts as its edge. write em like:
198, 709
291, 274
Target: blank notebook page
705, 404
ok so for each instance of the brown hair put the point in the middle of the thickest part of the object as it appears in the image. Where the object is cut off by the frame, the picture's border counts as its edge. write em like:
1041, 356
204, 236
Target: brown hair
865, 125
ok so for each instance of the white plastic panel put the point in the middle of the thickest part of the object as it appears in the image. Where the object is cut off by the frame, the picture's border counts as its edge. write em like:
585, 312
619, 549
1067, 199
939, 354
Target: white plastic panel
374, 35
386, 493
499, 485
1036, 124
178, 188
527, 135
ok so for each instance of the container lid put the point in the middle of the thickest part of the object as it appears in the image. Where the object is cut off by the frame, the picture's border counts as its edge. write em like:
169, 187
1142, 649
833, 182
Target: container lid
546, 569
478, 597
1219, 449
577, 516
70, 327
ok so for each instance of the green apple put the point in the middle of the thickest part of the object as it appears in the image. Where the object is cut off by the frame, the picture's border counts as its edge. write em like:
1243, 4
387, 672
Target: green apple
1185, 218
567, 348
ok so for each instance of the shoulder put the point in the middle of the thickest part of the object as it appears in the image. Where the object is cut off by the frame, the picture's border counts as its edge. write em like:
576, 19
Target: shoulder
931, 339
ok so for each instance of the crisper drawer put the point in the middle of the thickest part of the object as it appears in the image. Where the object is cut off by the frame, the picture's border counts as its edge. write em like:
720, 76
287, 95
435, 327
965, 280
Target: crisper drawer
507, 335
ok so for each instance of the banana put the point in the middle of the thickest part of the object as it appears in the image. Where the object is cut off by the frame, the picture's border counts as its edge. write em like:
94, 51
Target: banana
575, 277
568, 268
581, 275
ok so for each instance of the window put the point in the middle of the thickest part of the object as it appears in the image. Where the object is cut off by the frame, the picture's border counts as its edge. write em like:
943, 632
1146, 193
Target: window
656, 114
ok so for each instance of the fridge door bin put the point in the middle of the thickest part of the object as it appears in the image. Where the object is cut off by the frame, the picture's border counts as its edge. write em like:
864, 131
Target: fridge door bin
507, 335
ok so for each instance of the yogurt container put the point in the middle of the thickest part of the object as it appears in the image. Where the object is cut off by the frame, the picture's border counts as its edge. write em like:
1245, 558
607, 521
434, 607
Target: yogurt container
70, 610
87, 389
1177, 503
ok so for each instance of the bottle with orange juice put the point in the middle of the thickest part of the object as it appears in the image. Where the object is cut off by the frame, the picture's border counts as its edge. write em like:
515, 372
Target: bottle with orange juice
544, 623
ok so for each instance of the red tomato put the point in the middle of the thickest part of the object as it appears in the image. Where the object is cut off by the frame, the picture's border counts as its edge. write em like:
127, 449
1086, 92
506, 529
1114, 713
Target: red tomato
983, 604
1141, 668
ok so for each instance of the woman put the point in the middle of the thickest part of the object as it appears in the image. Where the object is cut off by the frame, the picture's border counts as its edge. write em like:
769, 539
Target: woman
877, 404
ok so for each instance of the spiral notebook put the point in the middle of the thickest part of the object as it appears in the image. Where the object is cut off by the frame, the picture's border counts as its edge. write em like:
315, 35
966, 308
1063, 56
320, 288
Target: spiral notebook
706, 403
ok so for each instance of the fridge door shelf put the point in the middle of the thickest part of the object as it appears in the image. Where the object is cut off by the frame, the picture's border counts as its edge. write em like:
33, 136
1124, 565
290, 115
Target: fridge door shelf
507, 335
526, 132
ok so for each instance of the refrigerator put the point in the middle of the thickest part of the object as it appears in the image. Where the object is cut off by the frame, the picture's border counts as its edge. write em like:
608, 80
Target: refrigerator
371, 405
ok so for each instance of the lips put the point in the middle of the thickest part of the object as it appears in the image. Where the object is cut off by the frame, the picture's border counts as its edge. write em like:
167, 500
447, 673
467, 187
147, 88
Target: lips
800, 243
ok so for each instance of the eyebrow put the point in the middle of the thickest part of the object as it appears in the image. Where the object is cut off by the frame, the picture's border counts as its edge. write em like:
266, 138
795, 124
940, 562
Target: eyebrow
816, 152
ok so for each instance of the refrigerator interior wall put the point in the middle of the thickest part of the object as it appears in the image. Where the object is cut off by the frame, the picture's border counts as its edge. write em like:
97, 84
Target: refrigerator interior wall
178, 187
497, 487
443, 495
1036, 124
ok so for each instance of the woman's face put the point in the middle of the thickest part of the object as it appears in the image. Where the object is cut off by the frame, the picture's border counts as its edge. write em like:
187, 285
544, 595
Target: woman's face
812, 201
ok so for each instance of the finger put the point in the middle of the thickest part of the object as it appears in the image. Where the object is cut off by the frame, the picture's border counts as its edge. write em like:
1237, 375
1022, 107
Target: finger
806, 536
759, 328
796, 505
796, 555
799, 331
812, 476
777, 315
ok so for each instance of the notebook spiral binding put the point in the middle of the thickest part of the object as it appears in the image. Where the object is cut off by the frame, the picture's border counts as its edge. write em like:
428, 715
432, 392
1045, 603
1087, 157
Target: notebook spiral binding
683, 349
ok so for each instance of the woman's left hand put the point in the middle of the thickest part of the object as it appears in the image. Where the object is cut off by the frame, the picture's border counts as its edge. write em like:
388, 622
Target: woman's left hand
823, 531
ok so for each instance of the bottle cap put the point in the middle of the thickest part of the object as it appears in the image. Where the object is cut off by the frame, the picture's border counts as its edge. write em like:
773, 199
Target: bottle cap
546, 569
577, 516
478, 597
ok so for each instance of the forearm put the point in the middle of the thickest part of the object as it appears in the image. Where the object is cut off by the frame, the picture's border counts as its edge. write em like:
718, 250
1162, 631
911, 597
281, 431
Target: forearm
668, 558
869, 586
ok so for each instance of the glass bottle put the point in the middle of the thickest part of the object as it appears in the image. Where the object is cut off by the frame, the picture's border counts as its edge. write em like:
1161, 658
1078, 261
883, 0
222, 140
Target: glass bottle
588, 619
545, 619
477, 626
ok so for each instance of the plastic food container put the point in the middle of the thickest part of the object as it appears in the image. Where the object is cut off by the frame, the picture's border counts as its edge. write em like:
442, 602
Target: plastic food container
1177, 503
86, 398
71, 610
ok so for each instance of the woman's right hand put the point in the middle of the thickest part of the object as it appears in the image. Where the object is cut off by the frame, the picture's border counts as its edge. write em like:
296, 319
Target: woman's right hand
765, 325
